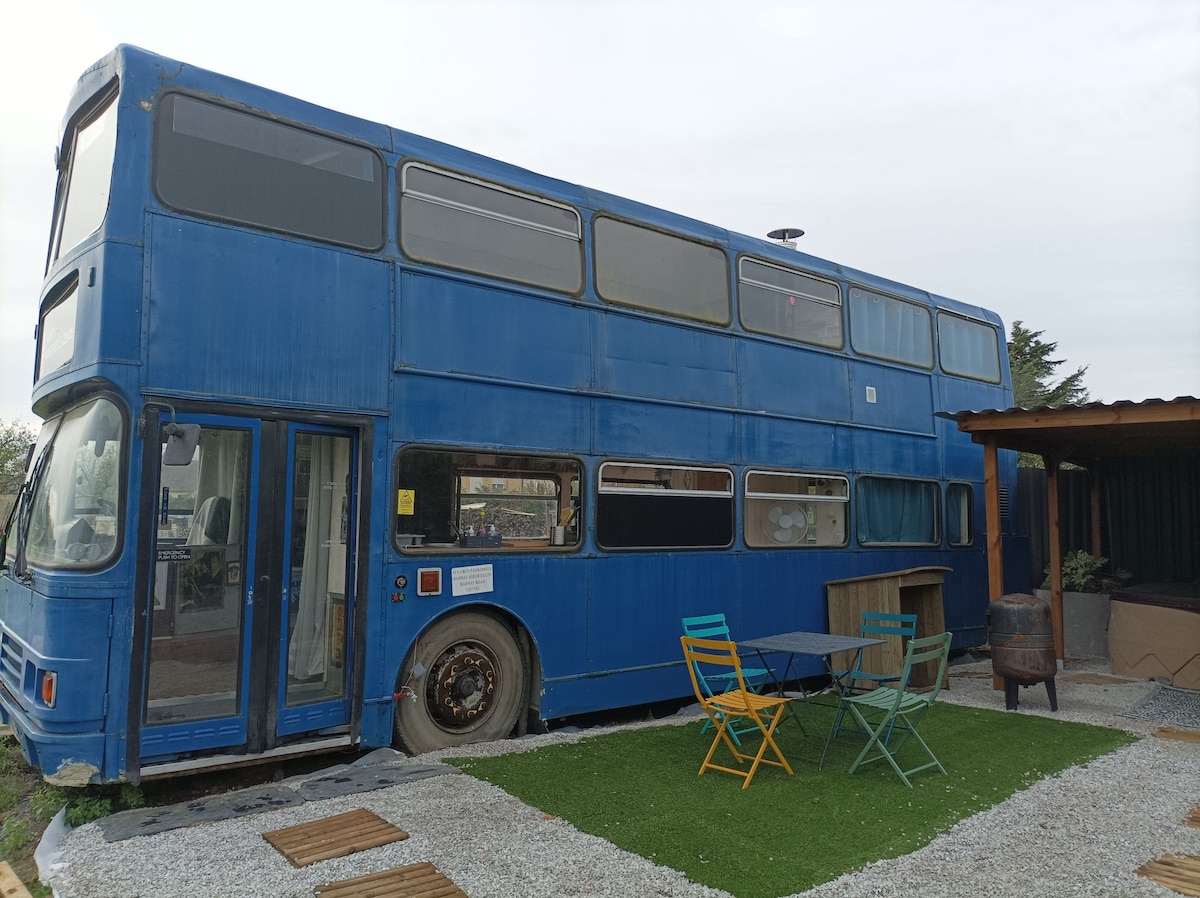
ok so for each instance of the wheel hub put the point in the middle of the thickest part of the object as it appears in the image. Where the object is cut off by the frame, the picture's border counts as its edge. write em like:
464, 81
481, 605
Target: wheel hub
461, 686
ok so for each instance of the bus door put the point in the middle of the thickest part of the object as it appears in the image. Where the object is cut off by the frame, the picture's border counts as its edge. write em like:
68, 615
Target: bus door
251, 588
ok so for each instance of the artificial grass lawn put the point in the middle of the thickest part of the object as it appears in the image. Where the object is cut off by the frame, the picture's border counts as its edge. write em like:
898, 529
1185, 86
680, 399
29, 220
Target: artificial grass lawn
639, 789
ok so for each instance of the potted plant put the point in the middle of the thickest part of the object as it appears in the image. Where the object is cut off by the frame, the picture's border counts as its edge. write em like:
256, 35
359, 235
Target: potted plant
1087, 581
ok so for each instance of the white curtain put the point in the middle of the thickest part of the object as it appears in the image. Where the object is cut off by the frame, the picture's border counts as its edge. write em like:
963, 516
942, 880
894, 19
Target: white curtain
307, 654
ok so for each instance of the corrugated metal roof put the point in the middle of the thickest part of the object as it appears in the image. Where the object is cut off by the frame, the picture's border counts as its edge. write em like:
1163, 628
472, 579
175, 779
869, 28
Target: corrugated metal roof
1086, 432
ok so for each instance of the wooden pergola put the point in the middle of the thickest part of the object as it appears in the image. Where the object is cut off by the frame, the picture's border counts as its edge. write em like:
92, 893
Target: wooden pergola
1082, 435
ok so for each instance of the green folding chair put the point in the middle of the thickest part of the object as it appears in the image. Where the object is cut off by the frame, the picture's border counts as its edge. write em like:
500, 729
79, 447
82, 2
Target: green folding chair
713, 680
884, 625
890, 714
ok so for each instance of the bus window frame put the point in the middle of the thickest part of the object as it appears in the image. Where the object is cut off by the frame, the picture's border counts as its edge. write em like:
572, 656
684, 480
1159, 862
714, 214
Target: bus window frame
840, 305
653, 490
102, 102
929, 330
658, 310
381, 171
492, 215
565, 466
983, 325
749, 494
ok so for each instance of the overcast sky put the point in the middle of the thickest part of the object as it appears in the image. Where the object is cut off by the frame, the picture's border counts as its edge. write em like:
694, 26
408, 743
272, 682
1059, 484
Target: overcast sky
1041, 159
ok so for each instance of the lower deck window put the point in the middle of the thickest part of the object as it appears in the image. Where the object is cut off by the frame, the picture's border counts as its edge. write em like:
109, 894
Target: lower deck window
786, 509
896, 511
960, 514
484, 500
644, 506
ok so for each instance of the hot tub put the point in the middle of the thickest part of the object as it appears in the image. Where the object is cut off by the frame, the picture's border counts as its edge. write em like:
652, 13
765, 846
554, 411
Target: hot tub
1154, 633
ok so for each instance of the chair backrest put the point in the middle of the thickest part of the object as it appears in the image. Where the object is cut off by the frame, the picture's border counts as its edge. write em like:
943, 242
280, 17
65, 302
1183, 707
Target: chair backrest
920, 651
706, 626
885, 625
210, 527
715, 653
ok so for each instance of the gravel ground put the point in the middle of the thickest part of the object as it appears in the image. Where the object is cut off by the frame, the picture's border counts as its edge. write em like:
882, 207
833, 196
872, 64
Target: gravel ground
1083, 832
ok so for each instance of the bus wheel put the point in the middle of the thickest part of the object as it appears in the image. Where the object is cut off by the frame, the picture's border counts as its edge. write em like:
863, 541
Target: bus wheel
471, 687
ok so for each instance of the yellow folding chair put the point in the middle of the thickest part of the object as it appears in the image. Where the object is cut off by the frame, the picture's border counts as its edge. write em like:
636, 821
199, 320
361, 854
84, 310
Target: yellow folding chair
736, 704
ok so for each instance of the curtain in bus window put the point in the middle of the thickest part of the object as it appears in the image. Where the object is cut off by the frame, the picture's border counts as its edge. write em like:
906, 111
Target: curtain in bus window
888, 328
968, 348
897, 511
323, 567
223, 464
958, 514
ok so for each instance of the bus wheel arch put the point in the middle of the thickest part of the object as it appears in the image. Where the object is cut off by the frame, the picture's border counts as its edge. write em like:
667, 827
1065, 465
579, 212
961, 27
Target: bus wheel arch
476, 670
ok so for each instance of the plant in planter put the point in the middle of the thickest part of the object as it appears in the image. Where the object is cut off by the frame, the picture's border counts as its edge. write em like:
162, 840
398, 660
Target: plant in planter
1082, 572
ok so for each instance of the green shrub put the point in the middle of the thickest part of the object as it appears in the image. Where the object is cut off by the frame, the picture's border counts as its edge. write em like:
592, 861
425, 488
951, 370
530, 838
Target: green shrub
1082, 572
14, 835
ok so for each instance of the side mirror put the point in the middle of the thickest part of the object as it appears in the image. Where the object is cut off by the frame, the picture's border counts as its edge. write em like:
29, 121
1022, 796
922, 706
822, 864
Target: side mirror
182, 440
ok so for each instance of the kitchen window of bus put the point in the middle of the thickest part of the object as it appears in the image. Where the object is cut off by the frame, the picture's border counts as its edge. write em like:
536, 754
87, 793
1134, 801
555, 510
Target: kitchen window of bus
643, 505
235, 166
960, 514
86, 174
468, 224
784, 303
968, 348
893, 511
888, 328
647, 269
447, 499
74, 519
793, 510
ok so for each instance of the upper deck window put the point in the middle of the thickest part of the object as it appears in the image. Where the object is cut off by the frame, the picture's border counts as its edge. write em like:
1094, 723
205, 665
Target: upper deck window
464, 223
637, 266
788, 304
889, 328
87, 177
239, 167
969, 348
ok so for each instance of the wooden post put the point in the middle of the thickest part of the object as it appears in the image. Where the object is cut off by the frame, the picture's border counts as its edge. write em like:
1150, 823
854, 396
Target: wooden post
1056, 590
995, 552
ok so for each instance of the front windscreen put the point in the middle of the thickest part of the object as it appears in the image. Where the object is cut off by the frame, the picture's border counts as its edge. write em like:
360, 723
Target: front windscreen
74, 512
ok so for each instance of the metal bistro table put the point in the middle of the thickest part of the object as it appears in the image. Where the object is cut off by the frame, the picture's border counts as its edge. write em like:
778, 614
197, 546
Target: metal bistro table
822, 645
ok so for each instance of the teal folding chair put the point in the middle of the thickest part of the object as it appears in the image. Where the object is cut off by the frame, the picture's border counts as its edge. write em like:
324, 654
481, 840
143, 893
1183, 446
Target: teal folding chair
713, 680
889, 712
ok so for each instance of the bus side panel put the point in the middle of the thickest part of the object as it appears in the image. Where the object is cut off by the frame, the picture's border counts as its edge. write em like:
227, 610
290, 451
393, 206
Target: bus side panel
778, 442
640, 358
447, 325
637, 602
474, 413
261, 295
795, 382
645, 430
882, 396
887, 452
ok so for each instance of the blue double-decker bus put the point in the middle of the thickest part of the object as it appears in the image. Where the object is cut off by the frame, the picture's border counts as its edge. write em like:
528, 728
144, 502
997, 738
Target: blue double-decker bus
354, 438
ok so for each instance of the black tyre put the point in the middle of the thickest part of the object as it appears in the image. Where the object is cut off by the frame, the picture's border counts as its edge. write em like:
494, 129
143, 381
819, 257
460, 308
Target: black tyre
471, 687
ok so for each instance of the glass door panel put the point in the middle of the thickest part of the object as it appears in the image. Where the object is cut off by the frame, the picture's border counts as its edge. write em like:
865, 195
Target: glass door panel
316, 626
195, 686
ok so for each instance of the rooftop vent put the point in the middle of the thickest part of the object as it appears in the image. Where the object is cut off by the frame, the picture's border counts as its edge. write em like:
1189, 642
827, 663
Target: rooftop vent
786, 236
